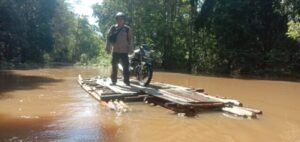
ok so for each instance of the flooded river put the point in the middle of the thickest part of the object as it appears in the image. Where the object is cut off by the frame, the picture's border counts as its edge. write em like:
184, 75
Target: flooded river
48, 105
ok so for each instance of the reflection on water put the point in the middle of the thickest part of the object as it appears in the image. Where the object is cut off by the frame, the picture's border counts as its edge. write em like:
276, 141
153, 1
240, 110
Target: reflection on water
48, 105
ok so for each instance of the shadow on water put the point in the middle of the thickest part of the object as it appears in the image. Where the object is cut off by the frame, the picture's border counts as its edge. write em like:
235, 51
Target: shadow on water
47, 128
23, 129
10, 81
41, 124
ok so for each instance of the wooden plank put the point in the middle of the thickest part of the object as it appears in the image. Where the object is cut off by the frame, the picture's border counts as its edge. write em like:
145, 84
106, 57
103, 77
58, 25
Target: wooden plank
171, 97
139, 98
192, 97
118, 88
168, 93
256, 111
88, 89
239, 111
161, 94
196, 106
227, 101
115, 105
118, 96
98, 93
201, 93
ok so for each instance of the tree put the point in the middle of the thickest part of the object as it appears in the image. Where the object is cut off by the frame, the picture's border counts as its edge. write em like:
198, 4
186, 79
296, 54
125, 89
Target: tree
42, 31
248, 33
26, 29
64, 25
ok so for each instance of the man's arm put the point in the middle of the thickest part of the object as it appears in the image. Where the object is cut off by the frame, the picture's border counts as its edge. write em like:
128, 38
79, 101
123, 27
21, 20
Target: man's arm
108, 44
130, 38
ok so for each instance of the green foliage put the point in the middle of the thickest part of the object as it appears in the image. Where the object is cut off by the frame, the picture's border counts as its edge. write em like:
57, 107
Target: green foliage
75, 40
250, 35
64, 29
84, 59
294, 30
44, 31
213, 36
25, 29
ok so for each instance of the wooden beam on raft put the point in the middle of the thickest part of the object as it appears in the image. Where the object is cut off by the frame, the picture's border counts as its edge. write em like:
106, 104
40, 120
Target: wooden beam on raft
224, 100
139, 98
242, 111
196, 106
96, 86
88, 89
173, 96
125, 97
160, 94
118, 88
199, 92
256, 111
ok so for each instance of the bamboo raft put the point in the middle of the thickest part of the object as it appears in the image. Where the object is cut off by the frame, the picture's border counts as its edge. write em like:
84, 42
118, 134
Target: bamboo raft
177, 98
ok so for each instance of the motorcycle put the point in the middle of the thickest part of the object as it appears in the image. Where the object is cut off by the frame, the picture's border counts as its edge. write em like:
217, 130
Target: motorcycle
140, 65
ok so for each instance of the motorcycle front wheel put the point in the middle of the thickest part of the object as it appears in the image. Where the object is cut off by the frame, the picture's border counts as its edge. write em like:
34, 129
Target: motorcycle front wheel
144, 74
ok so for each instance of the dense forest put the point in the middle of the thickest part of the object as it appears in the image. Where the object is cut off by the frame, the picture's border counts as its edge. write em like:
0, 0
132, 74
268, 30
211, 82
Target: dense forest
43, 31
240, 37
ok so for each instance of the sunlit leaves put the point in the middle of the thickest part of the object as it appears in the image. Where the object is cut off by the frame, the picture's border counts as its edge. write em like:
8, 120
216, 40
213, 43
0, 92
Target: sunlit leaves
294, 30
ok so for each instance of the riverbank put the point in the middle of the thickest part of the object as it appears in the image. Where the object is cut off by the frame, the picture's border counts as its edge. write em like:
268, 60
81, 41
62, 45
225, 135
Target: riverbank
263, 76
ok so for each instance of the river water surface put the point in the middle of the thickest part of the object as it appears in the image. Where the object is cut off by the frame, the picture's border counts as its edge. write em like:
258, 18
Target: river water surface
48, 105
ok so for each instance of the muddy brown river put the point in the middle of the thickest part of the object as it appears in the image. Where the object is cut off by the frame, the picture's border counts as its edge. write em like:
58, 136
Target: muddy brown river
48, 105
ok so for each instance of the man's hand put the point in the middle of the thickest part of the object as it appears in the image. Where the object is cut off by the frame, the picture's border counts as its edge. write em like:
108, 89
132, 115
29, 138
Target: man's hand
130, 51
108, 51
